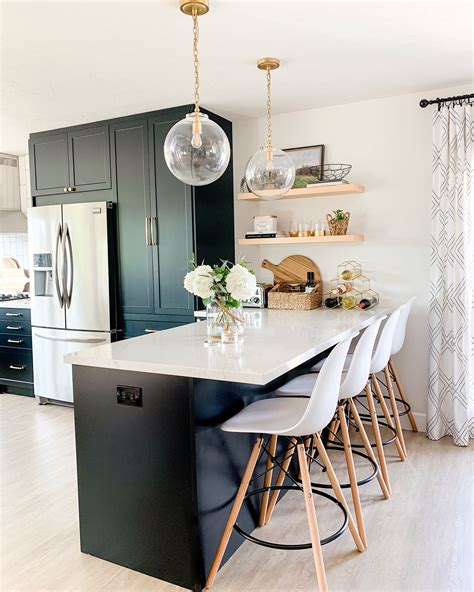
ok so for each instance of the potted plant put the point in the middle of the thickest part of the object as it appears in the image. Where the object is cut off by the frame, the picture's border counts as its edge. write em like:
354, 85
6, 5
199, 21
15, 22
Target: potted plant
222, 289
338, 223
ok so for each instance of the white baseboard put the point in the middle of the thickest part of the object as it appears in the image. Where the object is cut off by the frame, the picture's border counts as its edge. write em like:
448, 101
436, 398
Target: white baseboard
420, 419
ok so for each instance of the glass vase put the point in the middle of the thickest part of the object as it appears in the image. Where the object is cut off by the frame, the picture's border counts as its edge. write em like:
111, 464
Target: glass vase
223, 323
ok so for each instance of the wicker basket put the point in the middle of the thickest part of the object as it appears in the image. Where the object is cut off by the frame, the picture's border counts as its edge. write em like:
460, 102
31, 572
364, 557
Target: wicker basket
280, 297
338, 227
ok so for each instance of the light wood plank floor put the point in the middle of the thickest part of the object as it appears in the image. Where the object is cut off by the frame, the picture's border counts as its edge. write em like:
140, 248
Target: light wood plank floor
422, 539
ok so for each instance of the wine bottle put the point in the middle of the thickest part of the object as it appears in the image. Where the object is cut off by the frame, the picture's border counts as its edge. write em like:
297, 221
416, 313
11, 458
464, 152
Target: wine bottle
310, 284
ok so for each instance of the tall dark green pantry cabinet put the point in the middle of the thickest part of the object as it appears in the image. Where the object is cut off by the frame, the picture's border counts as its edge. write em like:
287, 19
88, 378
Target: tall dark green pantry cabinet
161, 222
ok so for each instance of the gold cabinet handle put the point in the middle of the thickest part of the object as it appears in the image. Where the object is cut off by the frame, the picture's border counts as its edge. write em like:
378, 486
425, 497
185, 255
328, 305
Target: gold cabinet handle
151, 330
17, 341
13, 314
13, 367
147, 233
14, 328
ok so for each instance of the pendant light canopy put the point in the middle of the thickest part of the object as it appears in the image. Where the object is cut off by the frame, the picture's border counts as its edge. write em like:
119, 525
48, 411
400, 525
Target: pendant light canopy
270, 173
196, 149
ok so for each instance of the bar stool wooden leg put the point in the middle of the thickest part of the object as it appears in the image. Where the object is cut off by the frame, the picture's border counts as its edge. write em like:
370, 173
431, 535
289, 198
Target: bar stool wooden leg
312, 521
234, 512
378, 437
388, 419
333, 427
396, 417
368, 447
338, 491
403, 395
272, 444
281, 477
352, 475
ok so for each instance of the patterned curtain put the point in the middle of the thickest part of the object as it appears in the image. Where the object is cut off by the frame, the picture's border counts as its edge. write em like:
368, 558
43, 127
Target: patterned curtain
451, 397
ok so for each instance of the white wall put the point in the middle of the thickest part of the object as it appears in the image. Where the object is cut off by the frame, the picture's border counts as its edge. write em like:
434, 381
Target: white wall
388, 142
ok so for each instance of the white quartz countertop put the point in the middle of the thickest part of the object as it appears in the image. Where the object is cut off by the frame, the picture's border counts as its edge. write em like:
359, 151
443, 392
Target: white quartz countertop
24, 303
275, 341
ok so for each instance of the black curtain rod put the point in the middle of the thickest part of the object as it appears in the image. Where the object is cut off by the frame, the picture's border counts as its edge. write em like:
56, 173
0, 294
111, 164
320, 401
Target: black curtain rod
425, 102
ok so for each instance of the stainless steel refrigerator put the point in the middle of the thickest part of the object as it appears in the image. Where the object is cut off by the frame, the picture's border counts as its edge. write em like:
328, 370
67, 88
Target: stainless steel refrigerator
72, 289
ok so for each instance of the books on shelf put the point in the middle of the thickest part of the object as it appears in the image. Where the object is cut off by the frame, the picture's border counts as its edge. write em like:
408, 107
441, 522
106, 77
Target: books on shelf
258, 234
343, 182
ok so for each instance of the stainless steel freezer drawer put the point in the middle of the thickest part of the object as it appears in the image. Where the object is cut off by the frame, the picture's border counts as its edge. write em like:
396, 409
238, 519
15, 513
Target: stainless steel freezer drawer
53, 378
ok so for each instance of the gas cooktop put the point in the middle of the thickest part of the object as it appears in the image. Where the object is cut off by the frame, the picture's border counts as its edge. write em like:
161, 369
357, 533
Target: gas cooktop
14, 296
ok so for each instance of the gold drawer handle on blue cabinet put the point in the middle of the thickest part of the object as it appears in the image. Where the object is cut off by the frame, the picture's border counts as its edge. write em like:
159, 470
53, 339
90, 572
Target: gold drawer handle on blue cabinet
15, 341
13, 367
13, 314
14, 328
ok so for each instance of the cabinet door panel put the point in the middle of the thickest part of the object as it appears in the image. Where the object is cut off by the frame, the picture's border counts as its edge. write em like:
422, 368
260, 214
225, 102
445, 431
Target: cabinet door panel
49, 164
174, 229
130, 150
89, 159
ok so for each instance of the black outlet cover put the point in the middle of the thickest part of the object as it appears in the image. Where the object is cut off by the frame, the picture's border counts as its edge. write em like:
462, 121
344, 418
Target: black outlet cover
130, 395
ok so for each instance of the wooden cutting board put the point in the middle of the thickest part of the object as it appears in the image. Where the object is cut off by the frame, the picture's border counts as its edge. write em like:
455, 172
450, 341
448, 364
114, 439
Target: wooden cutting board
293, 269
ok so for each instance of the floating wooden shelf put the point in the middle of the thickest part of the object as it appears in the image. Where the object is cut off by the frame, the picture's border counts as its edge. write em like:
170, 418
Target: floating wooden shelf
320, 191
290, 240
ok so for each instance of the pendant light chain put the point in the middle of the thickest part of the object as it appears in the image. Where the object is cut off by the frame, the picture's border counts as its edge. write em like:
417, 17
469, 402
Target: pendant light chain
196, 60
269, 116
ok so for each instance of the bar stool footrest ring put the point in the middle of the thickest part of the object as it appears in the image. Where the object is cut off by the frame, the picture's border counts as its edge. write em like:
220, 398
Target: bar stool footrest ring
325, 541
364, 481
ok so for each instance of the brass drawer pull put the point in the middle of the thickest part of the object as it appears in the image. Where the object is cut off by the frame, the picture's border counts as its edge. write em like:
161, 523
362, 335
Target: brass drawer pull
151, 330
14, 328
13, 367
13, 314
15, 341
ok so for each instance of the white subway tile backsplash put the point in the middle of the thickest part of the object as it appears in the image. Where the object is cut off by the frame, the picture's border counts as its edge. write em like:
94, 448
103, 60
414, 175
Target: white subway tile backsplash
15, 245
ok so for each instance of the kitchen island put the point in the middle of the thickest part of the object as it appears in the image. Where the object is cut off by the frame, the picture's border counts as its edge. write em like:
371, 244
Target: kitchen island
156, 476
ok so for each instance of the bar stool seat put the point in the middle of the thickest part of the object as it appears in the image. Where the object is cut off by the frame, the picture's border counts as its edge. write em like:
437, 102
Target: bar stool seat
269, 416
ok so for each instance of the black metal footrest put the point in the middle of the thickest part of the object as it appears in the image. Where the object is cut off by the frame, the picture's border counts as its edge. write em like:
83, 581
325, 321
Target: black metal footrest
347, 485
406, 406
366, 418
299, 547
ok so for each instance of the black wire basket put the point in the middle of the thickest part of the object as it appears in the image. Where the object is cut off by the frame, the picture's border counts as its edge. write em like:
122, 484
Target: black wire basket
332, 172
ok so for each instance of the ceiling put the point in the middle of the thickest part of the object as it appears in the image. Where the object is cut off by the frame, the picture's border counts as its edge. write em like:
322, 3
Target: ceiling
70, 62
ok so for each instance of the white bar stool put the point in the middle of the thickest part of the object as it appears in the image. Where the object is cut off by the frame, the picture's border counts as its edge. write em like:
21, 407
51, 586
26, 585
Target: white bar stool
295, 419
356, 376
398, 341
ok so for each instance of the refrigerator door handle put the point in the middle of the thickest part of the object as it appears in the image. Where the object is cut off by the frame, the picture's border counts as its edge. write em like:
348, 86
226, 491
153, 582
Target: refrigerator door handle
69, 267
59, 293
74, 340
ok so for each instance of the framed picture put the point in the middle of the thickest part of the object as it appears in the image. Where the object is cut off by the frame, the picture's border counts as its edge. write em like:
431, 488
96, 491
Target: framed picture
306, 159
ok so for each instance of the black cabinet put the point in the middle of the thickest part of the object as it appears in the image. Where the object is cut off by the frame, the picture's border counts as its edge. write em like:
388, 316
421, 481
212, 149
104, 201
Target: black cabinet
172, 227
161, 222
89, 159
16, 359
129, 142
69, 162
49, 165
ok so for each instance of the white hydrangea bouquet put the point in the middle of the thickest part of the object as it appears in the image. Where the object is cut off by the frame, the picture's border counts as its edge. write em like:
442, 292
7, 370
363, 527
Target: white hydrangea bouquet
222, 289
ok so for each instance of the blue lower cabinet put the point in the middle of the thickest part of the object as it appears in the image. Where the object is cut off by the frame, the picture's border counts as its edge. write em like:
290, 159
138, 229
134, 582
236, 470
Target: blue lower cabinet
135, 328
16, 356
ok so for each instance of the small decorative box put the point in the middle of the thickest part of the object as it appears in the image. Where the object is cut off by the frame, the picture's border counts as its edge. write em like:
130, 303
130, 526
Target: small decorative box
265, 223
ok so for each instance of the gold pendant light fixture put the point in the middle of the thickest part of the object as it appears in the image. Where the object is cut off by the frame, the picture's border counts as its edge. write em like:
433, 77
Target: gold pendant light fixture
196, 149
270, 173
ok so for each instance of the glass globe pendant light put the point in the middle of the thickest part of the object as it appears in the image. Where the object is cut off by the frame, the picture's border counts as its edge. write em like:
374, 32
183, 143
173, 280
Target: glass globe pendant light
270, 173
196, 149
